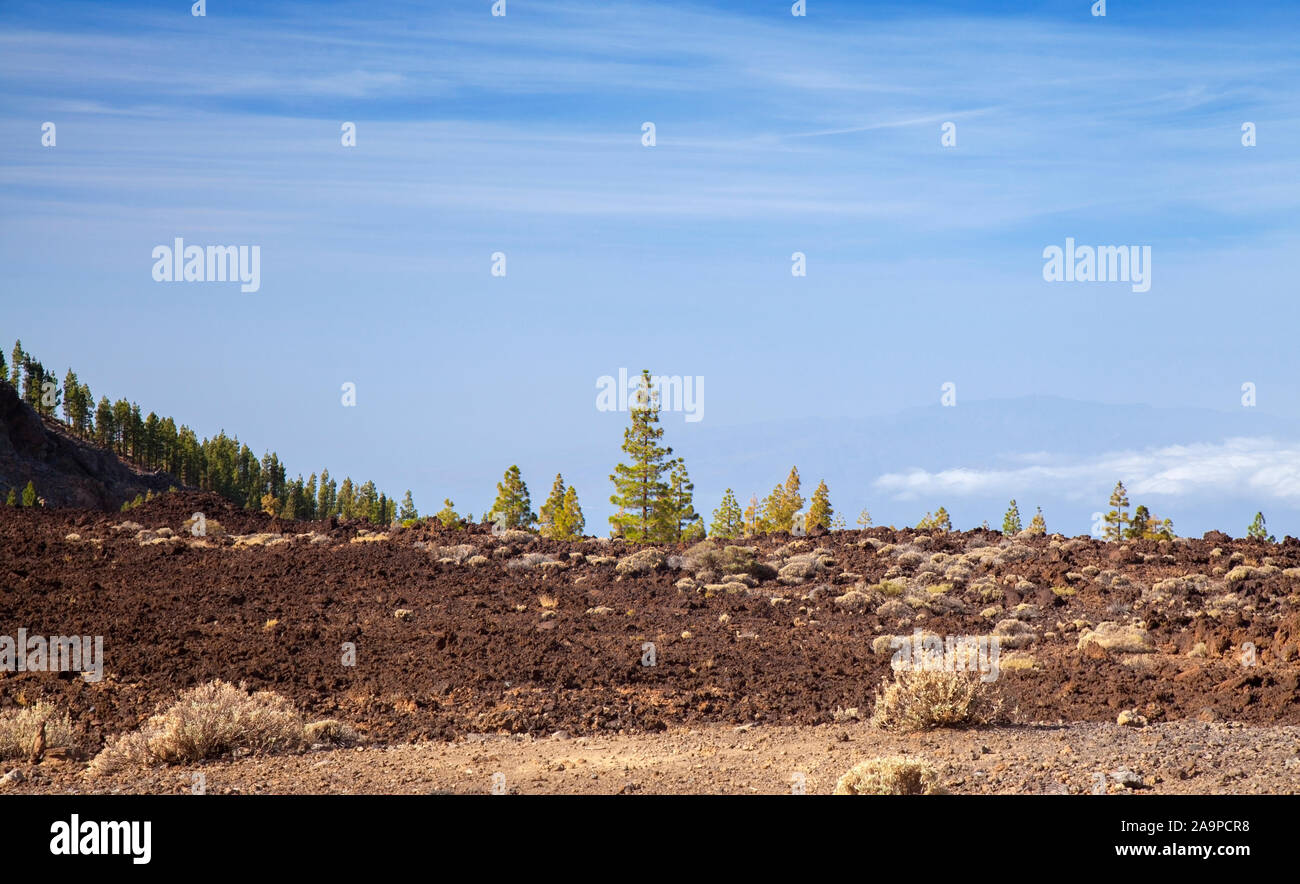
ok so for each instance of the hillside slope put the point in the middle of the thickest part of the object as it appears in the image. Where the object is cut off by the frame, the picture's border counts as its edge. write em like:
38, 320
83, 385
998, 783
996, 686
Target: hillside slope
67, 471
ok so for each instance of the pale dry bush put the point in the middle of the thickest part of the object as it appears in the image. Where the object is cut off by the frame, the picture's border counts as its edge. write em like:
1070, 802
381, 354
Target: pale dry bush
529, 560
895, 775
919, 700
208, 721
330, 732
19, 728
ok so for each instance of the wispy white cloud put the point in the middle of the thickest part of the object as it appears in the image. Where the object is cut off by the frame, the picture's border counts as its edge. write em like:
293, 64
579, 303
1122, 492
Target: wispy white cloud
1258, 468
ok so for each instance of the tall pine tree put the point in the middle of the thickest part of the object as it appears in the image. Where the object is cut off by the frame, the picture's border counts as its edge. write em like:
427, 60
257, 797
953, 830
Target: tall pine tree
1011, 520
819, 510
640, 486
677, 519
728, 518
569, 521
552, 509
781, 505
407, 511
1117, 518
513, 506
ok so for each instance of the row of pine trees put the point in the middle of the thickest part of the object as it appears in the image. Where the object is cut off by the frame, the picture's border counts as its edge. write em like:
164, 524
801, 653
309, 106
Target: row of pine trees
221, 464
652, 490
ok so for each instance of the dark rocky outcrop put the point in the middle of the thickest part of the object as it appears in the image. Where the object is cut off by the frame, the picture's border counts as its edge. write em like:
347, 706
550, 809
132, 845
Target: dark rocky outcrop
66, 471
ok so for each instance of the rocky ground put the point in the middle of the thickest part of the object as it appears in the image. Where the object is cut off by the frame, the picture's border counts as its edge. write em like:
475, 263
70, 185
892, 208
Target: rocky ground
1183, 757
460, 633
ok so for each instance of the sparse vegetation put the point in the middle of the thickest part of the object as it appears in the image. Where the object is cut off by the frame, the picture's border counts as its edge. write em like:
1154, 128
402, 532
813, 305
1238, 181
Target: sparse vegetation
208, 721
1011, 520
20, 731
728, 518
781, 505
819, 510
513, 508
919, 700
896, 775
1117, 518
1258, 530
939, 521
447, 516
1038, 525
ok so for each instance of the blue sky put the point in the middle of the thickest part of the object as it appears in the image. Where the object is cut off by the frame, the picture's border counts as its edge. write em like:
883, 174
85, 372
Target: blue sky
775, 134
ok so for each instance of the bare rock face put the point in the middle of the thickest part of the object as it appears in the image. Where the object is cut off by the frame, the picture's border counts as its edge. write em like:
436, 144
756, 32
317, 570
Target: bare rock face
67, 471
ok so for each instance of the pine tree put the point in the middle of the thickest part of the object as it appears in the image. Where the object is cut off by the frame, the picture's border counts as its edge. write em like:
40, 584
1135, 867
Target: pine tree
407, 511
4, 369
819, 510
675, 512
16, 364
751, 516
33, 377
291, 506
1011, 521
1139, 524
347, 499
569, 521
447, 515
937, 522
728, 519
552, 509
324, 506
12, 499
639, 487
513, 503
104, 423
365, 501
1259, 531
1117, 518
1159, 529
781, 505
308, 510
87, 427
71, 390
122, 425
29, 494
1038, 525
864, 519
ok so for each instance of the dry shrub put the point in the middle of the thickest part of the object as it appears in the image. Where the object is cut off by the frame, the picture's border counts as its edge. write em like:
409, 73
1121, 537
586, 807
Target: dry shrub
331, 732
208, 721
19, 729
919, 700
701, 557
895, 775
528, 561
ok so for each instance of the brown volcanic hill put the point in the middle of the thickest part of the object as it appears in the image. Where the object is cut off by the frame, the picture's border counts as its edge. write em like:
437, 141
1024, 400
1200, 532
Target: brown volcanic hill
67, 471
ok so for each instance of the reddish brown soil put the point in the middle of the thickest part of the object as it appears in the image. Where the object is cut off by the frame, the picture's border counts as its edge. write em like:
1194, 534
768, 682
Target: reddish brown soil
479, 653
